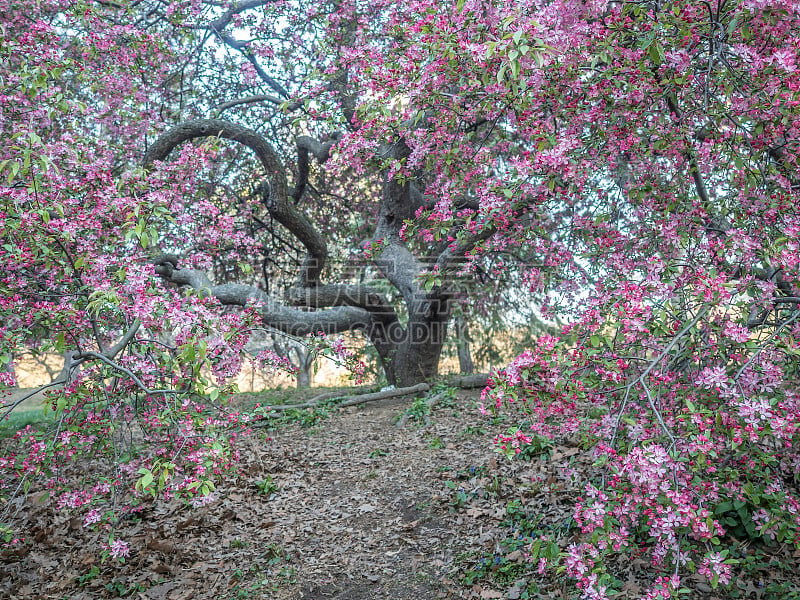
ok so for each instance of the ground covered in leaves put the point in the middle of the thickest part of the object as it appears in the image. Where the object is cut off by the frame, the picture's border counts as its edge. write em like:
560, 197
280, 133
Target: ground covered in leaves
343, 503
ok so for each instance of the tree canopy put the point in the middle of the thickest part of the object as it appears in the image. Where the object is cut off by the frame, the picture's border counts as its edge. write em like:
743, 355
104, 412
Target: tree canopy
177, 174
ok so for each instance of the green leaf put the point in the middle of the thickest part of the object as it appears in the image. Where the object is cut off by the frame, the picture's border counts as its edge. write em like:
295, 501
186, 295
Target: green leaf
656, 52
12, 174
723, 507
501, 73
146, 479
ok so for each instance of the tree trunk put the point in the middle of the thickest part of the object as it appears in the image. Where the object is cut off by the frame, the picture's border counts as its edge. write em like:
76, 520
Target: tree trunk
415, 359
303, 360
69, 371
303, 377
465, 364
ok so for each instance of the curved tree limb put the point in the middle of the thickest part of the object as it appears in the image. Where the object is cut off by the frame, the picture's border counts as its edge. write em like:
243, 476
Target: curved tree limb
359, 399
124, 340
361, 296
307, 145
275, 194
476, 380
274, 314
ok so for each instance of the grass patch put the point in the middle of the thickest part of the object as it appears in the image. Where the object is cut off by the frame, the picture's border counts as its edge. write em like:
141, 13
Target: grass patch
261, 403
280, 397
38, 418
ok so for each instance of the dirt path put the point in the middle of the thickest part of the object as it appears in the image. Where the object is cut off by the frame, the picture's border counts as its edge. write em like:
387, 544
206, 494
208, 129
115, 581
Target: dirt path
362, 510
362, 504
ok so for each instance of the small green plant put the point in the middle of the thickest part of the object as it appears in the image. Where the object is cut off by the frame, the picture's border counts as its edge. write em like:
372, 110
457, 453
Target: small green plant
538, 446
87, 578
418, 411
287, 573
378, 452
266, 486
493, 487
436, 443
473, 430
446, 394
498, 419
275, 554
496, 568
262, 579
473, 471
306, 418
120, 589
460, 497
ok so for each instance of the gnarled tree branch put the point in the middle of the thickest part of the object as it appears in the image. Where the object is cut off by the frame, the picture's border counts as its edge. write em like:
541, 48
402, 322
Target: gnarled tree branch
307, 145
274, 314
361, 296
275, 194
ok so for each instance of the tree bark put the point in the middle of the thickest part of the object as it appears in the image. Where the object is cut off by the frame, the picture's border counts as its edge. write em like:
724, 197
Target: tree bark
465, 364
416, 358
305, 360
303, 378
360, 398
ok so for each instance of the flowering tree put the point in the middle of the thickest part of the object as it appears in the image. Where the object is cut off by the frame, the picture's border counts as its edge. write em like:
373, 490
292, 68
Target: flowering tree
647, 152
644, 154
77, 218
113, 225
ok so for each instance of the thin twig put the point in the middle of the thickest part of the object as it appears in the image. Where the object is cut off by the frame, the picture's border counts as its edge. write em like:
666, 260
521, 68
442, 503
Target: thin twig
786, 323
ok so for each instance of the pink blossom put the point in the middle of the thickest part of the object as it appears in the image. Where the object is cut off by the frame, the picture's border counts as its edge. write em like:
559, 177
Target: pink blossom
713, 377
736, 332
713, 566
119, 549
785, 60
93, 516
